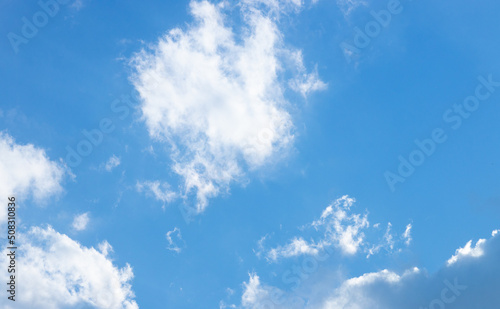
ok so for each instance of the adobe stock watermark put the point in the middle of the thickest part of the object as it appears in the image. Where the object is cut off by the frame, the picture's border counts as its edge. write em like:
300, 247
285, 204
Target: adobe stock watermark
372, 29
454, 117
31, 26
449, 294
94, 137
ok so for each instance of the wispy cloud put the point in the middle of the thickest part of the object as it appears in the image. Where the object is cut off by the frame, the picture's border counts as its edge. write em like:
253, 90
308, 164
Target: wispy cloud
175, 241
407, 235
80, 221
298, 246
105, 248
340, 228
348, 6
109, 165
160, 190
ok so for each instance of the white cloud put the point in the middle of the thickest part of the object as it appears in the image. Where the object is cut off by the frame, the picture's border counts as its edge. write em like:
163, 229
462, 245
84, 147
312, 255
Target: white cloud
468, 250
407, 235
161, 191
80, 221
57, 272
387, 243
259, 296
216, 96
470, 282
105, 248
340, 228
260, 246
253, 292
113, 162
304, 83
358, 292
175, 241
26, 171
296, 247
309, 83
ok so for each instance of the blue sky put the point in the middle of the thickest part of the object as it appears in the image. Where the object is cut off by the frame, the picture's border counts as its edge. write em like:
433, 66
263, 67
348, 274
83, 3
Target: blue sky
195, 154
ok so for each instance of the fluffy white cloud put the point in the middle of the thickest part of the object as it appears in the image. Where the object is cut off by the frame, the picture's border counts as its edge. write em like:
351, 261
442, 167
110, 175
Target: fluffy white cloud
340, 228
358, 292
55, 271
253, 291
80, 221
471, 281
26, 171
468, 250
259, 296
216, 95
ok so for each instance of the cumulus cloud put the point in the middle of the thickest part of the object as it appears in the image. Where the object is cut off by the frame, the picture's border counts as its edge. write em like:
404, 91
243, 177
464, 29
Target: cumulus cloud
340, 228
80, 221
253, 291
468, 250
215, 94
26, 171
57, 272
259, 296
471, 281
175, 241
